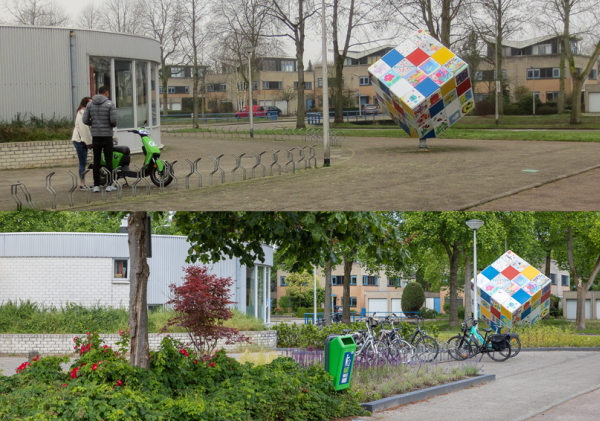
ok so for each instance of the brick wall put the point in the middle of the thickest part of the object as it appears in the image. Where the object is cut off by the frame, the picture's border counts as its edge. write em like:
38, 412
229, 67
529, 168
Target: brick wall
38, 154
56, 280
63, 344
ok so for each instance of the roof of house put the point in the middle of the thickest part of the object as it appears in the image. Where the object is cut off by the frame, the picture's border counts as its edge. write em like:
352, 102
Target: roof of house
532, 41
360, 54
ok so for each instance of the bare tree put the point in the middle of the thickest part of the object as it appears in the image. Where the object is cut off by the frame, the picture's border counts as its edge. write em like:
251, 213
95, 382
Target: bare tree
293, 16
36, 12
195, 35
162, 21
494, 21
575, 18
90, 17
288, 94
121, 16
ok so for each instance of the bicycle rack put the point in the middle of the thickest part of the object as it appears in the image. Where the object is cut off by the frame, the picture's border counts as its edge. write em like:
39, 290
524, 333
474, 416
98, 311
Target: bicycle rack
312, 155
193, 170
238, 164
291, 161
14, 191
115, 183
50, 189
103, 187
140, 177
217, 162
275, 162
302, 156
259, 164
88, 189
71, 190
172, 173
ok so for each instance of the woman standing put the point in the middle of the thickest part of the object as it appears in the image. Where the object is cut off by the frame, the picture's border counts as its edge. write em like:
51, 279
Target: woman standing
81, 139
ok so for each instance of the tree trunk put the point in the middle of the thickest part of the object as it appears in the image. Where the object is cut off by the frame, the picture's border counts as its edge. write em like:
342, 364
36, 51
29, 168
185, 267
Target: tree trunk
468, 292
339, 90
299, 58
453, 255
327, 304
446, 24
581, 293
576, 96
561, 82
164, 78
348, 260
138, 287
499, 56
548, 262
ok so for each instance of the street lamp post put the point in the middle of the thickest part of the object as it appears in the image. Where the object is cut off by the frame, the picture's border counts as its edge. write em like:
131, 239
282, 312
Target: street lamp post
533, 87
249, 50
326, 149
475, 224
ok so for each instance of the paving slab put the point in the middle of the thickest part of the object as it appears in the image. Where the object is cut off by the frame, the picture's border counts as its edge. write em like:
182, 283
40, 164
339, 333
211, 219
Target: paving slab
583, 408
366, 174
524, 384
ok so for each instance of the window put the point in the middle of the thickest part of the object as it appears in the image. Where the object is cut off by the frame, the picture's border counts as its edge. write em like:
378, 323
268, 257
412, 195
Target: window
370, 280
348, 61
506, 51
337, 280
479, 97
564, 280
353, 280
295, 86
593, 74
552, 96
556, 72
541, 49
320, 82
553, 278
288, 66
124, 93
533, 73
392, 282
99, 74
283, 283
120, 270
171, 89
364, 80
537, 94
478, 75
177, 72
308, 86
352, 301
223, 87
160, 90
267, 85
210, 87
141, 81
255, 86
187, 89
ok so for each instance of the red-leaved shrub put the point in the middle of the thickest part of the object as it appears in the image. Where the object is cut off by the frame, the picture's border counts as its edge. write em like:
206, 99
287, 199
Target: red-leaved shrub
201, 304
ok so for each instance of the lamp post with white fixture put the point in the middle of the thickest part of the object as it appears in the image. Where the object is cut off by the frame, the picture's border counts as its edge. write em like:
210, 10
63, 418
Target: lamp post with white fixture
475, 224
249, 50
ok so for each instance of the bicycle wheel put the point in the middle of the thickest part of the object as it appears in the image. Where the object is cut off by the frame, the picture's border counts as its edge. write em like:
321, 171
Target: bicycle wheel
459, 348
382, 351
430, 349
404, 352
515, 346
498, 356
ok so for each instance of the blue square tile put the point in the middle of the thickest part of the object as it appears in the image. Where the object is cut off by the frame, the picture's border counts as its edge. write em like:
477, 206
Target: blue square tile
392, 58
429, 135
525, 313
490, 272
384, 88
427, 87
436, 108
521, 296
485, 297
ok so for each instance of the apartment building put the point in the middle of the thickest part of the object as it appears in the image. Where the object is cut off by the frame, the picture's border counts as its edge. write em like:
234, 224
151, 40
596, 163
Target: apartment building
534, 63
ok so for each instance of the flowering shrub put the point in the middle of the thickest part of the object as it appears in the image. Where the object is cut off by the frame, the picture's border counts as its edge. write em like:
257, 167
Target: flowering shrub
180, 385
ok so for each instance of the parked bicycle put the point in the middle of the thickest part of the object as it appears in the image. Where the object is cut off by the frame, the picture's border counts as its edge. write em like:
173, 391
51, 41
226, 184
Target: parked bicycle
395, 346
470, 343
430, 349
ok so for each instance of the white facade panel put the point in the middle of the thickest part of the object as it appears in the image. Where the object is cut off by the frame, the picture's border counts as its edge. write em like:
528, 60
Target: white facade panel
397, 307
378, 305
594, 98
572, 309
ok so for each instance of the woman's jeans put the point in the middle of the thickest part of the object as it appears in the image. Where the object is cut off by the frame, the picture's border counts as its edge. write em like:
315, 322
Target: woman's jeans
82, 152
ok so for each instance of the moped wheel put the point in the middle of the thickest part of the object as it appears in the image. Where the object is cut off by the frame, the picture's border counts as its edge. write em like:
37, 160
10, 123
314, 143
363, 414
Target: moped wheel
156, 176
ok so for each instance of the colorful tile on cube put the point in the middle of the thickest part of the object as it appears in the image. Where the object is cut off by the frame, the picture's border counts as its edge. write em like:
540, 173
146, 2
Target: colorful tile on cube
424, 87
512, 292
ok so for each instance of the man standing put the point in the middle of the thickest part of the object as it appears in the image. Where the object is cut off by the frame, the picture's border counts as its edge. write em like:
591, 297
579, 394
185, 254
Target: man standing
101, 115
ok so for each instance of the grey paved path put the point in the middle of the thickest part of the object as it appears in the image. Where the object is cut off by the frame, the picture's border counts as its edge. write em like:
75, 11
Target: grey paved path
583, 408
524, 385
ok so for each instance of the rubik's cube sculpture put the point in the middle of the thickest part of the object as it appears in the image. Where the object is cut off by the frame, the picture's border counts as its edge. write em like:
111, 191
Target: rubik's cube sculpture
512, 292
422, 86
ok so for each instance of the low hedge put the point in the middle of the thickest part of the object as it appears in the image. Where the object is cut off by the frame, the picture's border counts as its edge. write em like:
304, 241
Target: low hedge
178, 386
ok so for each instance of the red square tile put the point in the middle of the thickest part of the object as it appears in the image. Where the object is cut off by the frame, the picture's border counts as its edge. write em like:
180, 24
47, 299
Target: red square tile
417, 57
463, 87
398, 108
526, 305
545, 296
495, 312
510, 272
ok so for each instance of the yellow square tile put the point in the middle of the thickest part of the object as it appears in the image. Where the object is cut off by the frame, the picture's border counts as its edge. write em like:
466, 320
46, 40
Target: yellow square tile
536, 296
530, 272
442, 56
406, 108
486, 313
506, 313
448, 87
413, 132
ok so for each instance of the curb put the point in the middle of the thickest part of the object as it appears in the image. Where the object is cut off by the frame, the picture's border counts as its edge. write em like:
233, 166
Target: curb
561, 349
430, 392
525, 188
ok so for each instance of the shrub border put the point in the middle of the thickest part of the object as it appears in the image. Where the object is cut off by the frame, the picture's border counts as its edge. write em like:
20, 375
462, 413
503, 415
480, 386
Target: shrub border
430, 392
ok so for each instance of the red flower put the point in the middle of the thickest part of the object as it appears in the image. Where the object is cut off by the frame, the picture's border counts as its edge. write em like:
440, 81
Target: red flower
94, 367
184, 352
212, 364
75, 338
88, 333
121, 332
119, 382
36, 358
195, 361
64, 385
23, 366
74, 373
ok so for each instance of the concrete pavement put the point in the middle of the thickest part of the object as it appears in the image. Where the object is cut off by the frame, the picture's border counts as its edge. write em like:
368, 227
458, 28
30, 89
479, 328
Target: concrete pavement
524, 385
583, 408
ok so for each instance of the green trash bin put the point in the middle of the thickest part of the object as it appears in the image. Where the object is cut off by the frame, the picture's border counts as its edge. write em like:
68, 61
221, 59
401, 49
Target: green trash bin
339, 358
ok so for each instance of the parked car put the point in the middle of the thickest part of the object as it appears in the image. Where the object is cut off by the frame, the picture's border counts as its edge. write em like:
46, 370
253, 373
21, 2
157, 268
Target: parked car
371, 109
257, 111
272, 108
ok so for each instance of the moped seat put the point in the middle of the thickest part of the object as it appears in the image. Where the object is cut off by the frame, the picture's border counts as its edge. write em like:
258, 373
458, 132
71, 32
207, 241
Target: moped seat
122, 149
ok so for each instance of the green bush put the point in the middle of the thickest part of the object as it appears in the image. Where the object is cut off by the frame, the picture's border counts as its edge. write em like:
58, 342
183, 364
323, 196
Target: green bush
429, 313
413, 297
484, 108
285, 303
460, 310
35, 129
547, 109
178, 386
273, 304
